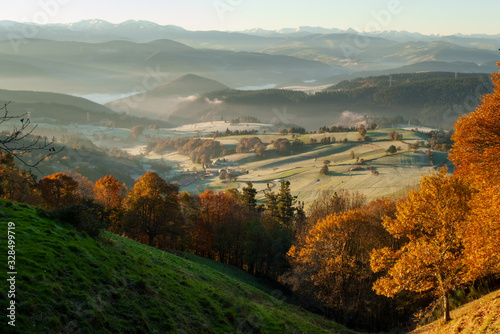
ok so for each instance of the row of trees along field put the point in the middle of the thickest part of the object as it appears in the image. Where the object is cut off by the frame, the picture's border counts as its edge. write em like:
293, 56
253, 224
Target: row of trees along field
199, 150
203, 150
344, 258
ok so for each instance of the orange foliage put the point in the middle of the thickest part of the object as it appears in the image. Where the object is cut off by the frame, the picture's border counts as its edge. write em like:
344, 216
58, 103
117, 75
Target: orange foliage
153, 211
218, 230
58, 190
85, 186
476, 152
484, 220
15, 183
434, 220
335, 256
110, 192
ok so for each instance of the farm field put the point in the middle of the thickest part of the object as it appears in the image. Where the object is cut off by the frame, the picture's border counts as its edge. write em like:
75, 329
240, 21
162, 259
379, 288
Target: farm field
396, 173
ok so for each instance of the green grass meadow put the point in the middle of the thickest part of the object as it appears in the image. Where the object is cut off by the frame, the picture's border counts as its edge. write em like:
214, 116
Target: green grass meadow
68, 282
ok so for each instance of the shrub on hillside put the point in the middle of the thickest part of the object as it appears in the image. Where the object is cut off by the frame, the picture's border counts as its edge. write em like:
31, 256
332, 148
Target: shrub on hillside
85, 216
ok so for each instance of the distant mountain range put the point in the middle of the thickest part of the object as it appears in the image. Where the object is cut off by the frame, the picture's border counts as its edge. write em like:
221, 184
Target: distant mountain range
134, 31
124, 66
166, 70
341, 49
141, 28
401, 35
247, 40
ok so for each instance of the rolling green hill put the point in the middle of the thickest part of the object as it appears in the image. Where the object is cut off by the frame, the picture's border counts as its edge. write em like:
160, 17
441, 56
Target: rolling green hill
68, 282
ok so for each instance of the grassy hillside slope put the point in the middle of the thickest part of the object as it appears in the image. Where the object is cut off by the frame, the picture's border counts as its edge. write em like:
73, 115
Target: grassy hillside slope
70, 283
480, 316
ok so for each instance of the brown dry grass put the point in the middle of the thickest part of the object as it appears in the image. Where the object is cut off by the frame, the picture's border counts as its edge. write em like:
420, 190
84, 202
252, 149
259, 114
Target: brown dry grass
480, 316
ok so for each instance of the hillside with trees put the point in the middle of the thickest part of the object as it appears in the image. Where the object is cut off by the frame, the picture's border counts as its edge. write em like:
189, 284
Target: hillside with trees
69, 281
432, 99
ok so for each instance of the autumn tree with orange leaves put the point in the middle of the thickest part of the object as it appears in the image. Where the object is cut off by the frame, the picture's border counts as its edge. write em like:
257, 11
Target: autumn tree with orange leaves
153, 212
335, 258
85, 187
58, 190
220, 227
111, 193
476, 154
15, 183
436, 258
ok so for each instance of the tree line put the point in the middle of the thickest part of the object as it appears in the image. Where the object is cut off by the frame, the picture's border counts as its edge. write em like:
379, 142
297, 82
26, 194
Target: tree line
397, 79
200, 151
428, 92
229, 227
432, 100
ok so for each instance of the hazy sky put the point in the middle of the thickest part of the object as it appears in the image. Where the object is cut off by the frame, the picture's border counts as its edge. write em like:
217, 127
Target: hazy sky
425, 16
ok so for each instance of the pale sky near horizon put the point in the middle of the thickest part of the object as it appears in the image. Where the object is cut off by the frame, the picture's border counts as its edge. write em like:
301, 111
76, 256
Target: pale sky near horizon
425, 16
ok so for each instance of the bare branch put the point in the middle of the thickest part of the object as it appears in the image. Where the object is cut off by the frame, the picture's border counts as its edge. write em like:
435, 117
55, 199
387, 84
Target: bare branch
17, 143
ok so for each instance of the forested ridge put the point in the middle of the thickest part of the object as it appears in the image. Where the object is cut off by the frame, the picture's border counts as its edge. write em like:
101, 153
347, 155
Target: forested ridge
432, 99
426, 92
398, 79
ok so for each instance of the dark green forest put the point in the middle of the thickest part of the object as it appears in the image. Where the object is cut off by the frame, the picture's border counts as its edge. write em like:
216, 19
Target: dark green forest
434, 99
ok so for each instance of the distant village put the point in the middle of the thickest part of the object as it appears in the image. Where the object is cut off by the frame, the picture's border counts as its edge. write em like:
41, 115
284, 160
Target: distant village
217, 168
